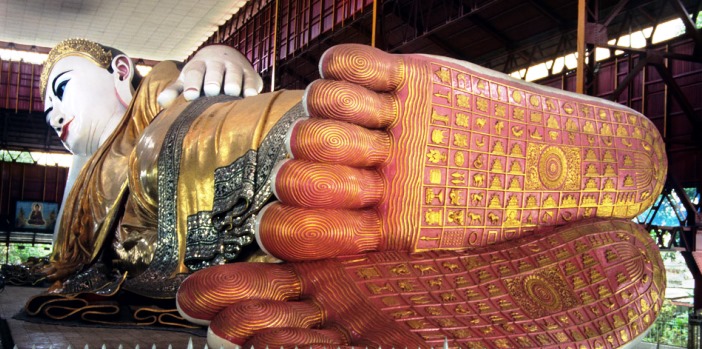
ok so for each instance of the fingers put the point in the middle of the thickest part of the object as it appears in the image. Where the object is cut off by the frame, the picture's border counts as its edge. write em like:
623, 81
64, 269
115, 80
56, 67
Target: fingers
192, 77
253, 83
345, 101
214, 73
205, 293
168, 95
297, 234
235, 78
254, 315
213, 70
363, 65
316, 185
232, 80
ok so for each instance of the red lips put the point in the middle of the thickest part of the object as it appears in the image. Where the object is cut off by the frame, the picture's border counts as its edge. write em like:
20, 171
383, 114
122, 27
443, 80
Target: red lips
64, 131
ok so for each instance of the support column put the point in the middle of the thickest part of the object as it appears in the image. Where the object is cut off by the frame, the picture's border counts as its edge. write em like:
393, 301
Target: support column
274, 57
580, 69
375, 21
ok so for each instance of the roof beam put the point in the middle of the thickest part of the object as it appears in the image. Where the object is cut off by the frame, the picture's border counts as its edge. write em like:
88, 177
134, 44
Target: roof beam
488, 27
617, 9
693, 216
689, 25
415, 20
548, 12
671, 55
679, 95
640, 65
444, 46
469, 9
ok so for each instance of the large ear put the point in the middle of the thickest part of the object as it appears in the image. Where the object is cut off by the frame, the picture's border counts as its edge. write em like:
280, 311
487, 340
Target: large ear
123, 72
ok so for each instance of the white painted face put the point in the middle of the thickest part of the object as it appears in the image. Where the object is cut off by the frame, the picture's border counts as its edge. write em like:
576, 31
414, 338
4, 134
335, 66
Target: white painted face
81, 104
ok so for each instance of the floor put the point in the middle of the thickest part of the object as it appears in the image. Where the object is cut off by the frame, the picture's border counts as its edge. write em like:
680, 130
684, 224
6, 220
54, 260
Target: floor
28, 335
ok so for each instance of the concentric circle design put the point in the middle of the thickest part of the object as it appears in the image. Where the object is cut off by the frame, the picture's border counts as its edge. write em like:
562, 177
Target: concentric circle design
309, 234
343, 101
275, 337
203, 295
362, 65
336, 142
552, 168
542, 293
254, 315
309, 184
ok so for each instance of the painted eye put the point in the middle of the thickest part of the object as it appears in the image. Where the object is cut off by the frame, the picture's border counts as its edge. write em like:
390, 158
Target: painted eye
60, 88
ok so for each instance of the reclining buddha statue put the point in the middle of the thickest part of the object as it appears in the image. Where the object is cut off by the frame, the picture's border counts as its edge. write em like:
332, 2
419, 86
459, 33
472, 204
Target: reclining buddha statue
401, 200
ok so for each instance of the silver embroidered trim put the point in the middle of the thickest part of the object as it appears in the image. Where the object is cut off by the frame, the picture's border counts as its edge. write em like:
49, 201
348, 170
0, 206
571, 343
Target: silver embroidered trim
234, 190
241, 190
96, 279
272, 151
157, 281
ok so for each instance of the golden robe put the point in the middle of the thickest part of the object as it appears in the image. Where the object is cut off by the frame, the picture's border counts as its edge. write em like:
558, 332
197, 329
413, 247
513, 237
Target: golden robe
113, 213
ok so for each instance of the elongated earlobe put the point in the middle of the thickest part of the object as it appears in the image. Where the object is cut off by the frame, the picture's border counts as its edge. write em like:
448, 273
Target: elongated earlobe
123, 72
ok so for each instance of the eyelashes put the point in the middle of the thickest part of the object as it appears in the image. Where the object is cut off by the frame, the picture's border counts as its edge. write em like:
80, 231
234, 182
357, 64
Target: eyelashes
61, 87
58, 90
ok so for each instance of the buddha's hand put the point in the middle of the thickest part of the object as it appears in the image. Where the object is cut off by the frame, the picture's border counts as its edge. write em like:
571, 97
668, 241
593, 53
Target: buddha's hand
214, 70
415, 152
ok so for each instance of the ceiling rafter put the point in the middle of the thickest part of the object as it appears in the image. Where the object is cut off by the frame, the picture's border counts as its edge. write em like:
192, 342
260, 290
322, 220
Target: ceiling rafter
445, 46
548, 12
615, 12
679, 95
494, 32
417, 16
655, 19
690, 28
413, 25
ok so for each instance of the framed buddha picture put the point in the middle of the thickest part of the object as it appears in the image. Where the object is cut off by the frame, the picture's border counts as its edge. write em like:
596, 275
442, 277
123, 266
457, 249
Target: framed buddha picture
36, 215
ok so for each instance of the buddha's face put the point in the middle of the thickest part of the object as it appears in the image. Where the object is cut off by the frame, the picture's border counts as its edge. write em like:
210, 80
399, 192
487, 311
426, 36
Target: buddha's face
81, 104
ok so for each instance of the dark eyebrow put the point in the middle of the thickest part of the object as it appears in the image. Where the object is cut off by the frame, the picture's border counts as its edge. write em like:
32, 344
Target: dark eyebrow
53, 82
46, 113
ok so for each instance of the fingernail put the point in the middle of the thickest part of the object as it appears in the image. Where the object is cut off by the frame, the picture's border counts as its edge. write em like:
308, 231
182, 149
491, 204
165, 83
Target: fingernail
250, 92
191, 94
212, 89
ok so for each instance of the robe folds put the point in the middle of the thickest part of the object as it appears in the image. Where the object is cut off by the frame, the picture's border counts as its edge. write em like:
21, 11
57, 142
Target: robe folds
175, 190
